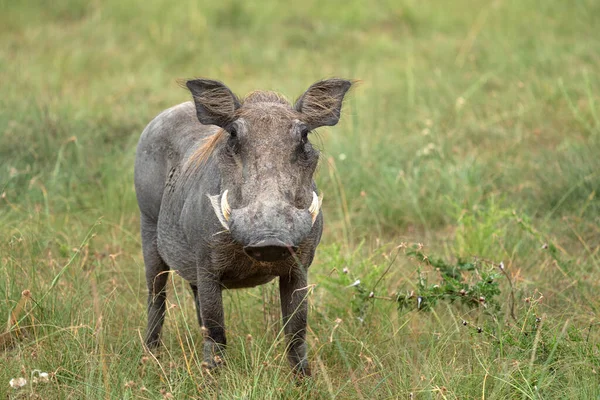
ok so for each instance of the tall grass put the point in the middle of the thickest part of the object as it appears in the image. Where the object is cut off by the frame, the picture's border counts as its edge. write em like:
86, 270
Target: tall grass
475, 131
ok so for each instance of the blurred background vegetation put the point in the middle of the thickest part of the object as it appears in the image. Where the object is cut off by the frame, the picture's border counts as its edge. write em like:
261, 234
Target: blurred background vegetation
475, 130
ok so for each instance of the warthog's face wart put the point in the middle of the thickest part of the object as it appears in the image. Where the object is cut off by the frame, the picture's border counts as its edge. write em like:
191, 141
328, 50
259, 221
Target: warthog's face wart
267, 200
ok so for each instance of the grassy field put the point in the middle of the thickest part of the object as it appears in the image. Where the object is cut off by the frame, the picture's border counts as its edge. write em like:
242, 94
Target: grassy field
472, 139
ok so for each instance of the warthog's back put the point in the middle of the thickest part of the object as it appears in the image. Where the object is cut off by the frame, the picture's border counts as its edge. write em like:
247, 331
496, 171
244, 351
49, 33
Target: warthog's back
165, 143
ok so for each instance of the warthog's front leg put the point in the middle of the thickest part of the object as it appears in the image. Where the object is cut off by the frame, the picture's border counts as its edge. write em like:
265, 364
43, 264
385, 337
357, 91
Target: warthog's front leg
156, 279
210, 301
294, 307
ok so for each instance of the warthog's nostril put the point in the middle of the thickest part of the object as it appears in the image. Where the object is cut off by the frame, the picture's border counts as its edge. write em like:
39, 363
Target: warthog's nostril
270, 250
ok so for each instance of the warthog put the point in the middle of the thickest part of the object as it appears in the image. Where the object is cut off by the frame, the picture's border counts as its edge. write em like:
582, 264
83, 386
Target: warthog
227, 199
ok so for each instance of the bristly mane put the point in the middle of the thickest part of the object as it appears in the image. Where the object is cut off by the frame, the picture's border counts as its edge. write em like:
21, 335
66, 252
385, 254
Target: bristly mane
203, 152
260, 96
210, 143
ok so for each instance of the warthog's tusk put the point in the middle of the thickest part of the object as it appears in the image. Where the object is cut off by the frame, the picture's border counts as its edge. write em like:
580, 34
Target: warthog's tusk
225, 209
217, 208
315, 206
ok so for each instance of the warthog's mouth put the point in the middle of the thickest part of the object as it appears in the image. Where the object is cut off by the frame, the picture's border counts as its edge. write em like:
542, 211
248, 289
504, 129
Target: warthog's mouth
270, 250
223, 210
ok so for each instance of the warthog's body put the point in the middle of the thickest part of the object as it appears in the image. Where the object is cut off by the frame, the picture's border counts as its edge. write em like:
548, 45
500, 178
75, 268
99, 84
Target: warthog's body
231, 203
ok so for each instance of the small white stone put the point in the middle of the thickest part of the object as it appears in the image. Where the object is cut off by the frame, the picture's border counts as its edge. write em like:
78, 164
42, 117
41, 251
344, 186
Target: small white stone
42, 377
17, 383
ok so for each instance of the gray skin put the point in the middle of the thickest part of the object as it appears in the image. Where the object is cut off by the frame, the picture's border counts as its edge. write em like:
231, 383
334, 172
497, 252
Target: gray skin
258, 151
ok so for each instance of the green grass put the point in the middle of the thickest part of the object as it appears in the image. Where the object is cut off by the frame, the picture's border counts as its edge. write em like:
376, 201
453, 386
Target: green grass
475, 130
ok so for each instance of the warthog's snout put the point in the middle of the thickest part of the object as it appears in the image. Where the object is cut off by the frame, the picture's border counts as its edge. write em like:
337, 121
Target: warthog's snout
270, 250
223, 210
269, 230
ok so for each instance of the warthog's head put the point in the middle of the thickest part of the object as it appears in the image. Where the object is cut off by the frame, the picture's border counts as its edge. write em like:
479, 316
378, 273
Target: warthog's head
267, 201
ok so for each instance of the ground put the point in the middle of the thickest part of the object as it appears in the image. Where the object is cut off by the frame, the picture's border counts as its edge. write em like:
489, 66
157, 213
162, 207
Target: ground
466, 159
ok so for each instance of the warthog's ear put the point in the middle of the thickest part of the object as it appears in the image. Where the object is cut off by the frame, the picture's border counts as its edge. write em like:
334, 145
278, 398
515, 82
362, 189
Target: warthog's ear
321, 104
215, 103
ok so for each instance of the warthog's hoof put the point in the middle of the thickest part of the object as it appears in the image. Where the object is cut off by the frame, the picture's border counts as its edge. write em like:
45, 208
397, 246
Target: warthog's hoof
213, 355
302, 370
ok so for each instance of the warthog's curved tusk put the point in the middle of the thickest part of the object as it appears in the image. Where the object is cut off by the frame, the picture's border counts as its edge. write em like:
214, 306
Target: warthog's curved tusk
225, 208
314, 207
217, 206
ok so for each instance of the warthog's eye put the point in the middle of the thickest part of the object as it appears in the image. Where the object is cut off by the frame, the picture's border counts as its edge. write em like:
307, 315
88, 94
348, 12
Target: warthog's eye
233, 142
306, 154
304, 135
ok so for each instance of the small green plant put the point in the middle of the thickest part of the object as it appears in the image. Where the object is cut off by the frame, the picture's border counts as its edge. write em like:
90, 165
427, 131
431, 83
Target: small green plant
474, 284
471, 283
